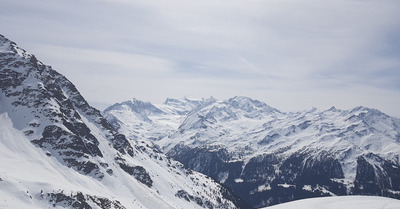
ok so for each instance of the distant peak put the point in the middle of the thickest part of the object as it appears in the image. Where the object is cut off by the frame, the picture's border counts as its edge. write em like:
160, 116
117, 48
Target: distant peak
241, 98
210, 100
189, 99
333, 109
184, 100
239, 101
312, 109
169, 100
248, 104
358, 108
366, 109
137, 101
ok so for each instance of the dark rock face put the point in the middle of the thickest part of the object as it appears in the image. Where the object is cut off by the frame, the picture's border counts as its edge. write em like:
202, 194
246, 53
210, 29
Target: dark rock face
56, 138
80, 201
139, 173
269, 179
57, 110
184, 195
197, 157
121, 144
377, 176
285, 179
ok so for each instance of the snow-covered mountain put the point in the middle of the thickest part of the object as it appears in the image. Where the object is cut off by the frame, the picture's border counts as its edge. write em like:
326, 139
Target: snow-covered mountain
137, 119
266, 156
57, 151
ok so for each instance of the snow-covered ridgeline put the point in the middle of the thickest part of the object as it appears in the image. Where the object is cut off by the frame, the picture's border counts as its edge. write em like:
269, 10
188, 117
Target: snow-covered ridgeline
241, 141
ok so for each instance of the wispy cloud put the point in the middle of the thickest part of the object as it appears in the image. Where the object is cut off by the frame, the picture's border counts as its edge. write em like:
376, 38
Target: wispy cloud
114, 63
284, 52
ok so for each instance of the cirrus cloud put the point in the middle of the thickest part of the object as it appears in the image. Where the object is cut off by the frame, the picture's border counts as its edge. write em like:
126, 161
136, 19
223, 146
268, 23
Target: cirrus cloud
291, 54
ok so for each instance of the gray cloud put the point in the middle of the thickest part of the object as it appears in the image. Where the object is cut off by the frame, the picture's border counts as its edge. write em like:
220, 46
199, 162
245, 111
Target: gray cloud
291, 54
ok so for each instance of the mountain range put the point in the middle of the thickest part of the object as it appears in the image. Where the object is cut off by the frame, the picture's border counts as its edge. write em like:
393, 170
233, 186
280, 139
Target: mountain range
266, 156
58, 151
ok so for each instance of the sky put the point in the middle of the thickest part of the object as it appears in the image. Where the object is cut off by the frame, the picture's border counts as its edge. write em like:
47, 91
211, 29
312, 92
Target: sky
291, 54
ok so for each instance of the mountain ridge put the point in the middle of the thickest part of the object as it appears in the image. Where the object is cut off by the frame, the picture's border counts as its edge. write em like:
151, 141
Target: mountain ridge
57, 150
267, 156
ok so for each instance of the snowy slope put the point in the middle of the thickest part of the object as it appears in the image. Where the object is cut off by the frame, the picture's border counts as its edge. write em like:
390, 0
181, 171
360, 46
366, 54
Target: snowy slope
343, 202
267, 157
58, 151
29, 177
144, 120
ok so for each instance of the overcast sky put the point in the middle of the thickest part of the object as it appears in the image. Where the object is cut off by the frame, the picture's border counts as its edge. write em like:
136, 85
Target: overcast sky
290, 54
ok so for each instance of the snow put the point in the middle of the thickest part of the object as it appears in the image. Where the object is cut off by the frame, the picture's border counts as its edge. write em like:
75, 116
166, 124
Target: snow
19, 172
222, 177
27, 170
285, 185
245, 127
238, 180
263, 187
30, 174
307, 188
343, 202
248, 129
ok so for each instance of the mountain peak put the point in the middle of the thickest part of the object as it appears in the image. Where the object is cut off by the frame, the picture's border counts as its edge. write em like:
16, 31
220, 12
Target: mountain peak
187, 101
249, 105
11, 48
241, 99
333, 108
75, 153
180, 101
311, 110
5, 44
241, 141
367, 110
135, 100
182, 106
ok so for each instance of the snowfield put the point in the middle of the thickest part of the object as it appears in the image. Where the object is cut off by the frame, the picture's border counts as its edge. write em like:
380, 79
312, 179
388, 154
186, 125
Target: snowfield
342, 202
28, 177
